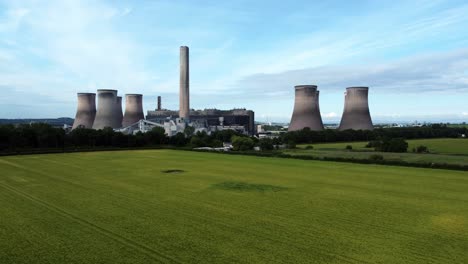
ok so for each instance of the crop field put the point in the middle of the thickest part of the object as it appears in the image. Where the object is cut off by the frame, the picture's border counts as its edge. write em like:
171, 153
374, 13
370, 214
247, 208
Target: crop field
170, 206
443, 150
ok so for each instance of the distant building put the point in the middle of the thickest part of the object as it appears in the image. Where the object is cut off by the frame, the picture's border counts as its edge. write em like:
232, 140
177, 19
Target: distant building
241, 120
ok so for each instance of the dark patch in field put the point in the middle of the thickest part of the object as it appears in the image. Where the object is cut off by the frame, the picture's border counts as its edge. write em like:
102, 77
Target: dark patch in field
248, 187
172, 171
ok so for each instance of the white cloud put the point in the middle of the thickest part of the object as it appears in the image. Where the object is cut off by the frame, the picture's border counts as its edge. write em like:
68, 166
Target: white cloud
443, 72
465, 114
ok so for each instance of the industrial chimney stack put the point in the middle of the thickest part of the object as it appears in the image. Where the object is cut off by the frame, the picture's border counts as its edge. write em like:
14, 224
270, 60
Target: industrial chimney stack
133, 109
356, 113
107, 111
159, 103
306, 109
86, 111
184, 97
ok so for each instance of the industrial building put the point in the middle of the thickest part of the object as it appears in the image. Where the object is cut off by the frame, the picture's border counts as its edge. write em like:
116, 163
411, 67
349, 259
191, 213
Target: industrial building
356, 114
109, 111
241, 120
306, 111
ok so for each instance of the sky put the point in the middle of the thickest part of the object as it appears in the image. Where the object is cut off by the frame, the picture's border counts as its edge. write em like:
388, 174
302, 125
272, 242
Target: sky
243, 54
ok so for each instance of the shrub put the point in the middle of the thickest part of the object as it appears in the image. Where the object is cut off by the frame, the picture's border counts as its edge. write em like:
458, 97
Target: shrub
376, 157
421, 149
392, 145
242, 143
309, 147
349, 147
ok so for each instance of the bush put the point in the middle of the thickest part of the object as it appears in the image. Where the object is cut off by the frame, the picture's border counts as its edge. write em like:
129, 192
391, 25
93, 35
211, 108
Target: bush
266, 144
376, 157
242, 143
398, 145
421, 149
309, 147
349, 147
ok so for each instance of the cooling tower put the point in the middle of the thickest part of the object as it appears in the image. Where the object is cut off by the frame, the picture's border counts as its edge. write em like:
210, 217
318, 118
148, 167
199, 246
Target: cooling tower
86, 111
107, 114
306, 111
119, 110
356, 113
184, 97
133, 109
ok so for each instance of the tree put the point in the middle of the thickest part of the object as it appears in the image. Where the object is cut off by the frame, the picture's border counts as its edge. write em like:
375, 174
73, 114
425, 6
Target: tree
421, 149
266, 144
392, 145
189, 130
156, 136
242, 143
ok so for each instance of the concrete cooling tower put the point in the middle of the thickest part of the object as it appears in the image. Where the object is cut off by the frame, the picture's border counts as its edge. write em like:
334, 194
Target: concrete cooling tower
119, 110
184, 96
133, 109
86, 111
107, 114
306, 109
356, 113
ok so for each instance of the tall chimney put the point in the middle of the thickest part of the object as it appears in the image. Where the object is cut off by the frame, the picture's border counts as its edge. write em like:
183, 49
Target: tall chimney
86, 111
356, 114
184, 97
159, 103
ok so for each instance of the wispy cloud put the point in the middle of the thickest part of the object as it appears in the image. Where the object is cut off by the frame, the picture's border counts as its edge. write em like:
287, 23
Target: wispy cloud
443, 72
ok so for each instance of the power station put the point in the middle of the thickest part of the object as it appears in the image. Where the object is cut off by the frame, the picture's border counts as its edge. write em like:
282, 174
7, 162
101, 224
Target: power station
109, 111
356, 114
306, 111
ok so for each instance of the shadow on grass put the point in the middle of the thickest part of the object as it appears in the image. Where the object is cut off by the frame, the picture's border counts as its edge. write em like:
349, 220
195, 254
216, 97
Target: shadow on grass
172, 171
248, 187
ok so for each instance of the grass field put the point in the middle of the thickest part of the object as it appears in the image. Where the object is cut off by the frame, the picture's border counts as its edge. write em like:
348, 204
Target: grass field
444, 150
177, 206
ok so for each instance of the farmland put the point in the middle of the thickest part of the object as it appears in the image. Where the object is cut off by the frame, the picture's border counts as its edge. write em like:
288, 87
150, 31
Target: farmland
176, 206
445, 150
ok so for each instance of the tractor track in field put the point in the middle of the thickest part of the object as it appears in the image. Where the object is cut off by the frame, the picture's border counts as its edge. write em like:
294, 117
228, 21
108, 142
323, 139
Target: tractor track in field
154, 254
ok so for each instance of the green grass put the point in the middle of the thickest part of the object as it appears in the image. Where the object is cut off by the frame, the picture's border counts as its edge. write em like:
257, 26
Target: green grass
443, 150
123, 207
437, 145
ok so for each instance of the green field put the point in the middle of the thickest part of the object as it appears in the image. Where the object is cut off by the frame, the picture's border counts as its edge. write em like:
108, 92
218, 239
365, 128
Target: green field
177, 206
444, 150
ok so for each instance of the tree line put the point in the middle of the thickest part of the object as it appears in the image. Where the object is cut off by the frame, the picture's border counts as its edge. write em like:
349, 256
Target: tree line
14, 138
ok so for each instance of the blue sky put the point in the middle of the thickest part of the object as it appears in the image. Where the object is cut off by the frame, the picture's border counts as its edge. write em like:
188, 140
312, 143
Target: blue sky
412, 54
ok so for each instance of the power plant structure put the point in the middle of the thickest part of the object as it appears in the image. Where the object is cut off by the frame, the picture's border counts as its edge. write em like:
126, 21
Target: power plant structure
356, 114
208, 120
109, 111
86, 111
306, 111
184, 93
119, 111
107, 114
133, 109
